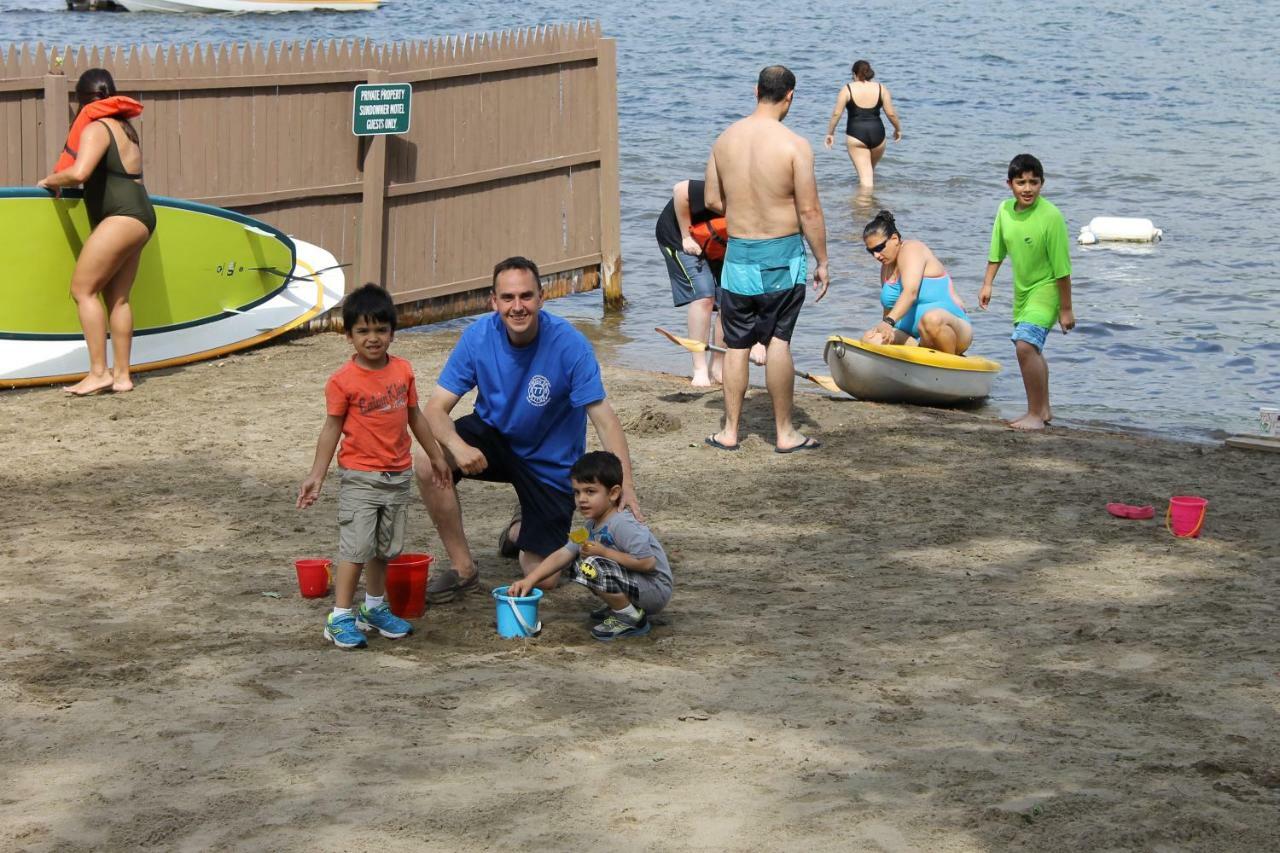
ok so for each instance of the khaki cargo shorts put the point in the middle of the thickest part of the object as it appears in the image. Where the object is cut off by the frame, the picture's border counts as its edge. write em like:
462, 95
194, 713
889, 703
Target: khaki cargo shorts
372, 508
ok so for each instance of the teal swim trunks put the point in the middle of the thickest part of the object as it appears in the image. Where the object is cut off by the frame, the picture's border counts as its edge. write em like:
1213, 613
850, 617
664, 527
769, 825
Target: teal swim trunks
757, 267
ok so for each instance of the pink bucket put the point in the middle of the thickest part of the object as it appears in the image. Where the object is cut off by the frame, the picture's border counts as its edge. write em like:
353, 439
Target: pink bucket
1185, 516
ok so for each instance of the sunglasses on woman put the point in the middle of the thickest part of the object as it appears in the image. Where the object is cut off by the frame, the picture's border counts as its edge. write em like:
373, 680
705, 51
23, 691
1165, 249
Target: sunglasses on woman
871, 250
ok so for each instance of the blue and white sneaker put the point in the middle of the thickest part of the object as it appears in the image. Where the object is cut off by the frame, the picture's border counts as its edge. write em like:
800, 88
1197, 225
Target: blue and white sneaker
616, 627
387, 623
343, 633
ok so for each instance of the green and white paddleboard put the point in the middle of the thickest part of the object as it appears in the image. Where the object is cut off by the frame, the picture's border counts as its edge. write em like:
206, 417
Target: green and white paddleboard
210, 281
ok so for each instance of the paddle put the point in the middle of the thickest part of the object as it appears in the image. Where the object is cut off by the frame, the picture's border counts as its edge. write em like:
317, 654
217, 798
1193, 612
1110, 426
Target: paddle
824, 382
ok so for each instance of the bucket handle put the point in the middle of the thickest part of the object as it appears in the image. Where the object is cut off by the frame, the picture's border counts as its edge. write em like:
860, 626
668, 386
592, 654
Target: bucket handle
1168, 522
515, 611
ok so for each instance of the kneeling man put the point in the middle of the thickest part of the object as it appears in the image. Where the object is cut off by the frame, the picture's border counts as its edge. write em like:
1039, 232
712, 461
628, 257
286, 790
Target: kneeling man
537, 382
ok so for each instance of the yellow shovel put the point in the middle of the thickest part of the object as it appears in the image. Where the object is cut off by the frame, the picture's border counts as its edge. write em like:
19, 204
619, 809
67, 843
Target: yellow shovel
824, 382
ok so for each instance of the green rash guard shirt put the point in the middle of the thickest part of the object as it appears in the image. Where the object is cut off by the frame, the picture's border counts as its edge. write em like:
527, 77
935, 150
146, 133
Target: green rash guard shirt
1036, 241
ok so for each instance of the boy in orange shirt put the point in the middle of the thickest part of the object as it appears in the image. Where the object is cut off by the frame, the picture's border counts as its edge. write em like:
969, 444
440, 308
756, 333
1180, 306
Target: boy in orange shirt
370, 401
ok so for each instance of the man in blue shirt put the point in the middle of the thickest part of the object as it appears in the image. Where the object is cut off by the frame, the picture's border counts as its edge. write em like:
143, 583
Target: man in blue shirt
537, 382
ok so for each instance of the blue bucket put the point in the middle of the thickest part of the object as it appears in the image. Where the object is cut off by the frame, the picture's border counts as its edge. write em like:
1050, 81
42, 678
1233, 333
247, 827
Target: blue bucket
517, 614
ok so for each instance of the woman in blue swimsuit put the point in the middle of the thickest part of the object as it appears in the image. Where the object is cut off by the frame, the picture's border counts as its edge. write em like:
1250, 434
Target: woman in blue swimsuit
920, 303
864, 130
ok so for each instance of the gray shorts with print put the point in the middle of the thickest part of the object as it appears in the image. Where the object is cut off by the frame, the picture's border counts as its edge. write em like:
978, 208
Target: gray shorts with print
642, 589
372, 507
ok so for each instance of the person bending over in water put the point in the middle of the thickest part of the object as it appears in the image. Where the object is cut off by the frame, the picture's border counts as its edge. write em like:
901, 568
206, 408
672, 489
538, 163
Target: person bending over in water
916, 292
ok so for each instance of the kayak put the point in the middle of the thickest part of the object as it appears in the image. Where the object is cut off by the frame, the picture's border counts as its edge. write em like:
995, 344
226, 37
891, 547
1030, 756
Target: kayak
905, 374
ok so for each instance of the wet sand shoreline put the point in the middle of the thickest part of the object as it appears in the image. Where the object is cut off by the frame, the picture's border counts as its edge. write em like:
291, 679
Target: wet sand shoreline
928, 635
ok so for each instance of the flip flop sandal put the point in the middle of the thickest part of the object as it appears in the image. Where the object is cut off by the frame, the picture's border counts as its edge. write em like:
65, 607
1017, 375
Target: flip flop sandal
809, 443
506, 545
1130, 511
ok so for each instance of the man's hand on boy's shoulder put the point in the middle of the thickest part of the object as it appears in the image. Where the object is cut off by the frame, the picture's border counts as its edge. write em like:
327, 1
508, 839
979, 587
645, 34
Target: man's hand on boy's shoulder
631, 502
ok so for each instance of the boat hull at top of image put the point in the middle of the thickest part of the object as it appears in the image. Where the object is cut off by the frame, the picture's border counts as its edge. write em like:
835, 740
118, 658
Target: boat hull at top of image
905, 374
210, 281
250, 5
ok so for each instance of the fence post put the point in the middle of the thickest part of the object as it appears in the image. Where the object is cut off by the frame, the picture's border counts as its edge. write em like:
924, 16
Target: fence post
373, 204
56, 121
610, 215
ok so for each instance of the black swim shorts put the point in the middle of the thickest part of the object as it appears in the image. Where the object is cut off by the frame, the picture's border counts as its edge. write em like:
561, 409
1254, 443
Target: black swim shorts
545, 512
750, 320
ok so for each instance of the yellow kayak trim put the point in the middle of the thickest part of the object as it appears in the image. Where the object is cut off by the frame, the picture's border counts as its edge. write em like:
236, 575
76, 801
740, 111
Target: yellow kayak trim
922, 355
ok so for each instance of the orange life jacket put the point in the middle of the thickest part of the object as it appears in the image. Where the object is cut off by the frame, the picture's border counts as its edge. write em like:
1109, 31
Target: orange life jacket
117, 106
712, 236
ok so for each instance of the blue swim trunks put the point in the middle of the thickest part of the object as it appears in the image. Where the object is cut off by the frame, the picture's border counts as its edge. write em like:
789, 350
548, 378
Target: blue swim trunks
757, 267
1031, 333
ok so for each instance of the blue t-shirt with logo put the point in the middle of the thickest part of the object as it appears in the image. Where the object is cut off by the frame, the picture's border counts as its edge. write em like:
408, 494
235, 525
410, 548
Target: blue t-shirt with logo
536, 396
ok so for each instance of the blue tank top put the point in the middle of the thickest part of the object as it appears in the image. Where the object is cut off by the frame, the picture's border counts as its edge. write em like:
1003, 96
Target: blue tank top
935, 292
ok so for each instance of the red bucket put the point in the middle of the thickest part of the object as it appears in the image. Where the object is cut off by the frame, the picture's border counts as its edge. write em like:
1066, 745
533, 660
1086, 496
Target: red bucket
1185, 515
407, 584
313, 577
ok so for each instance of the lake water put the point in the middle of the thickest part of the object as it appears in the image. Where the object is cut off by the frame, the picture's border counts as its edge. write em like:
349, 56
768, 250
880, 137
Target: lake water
1165, 110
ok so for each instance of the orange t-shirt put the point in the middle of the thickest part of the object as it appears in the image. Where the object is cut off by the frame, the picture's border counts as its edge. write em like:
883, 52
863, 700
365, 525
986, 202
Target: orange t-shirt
374, 407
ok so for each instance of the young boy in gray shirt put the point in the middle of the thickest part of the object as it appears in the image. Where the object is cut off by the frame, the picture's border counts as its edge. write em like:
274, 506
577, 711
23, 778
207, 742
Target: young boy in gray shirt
619, 559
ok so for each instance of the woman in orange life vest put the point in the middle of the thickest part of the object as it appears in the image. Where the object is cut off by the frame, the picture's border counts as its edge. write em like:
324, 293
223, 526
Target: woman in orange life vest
103, 154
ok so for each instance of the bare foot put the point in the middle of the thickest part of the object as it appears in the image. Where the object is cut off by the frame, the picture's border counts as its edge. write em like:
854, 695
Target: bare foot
701, 380
758, 353
1028, 422
91, 384
121, 386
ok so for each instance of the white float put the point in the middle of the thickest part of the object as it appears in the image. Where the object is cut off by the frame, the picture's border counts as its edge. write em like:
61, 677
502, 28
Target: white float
1122, 229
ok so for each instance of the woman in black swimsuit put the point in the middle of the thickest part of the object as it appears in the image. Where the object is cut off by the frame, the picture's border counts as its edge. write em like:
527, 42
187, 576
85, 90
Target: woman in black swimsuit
109, 165
864, 131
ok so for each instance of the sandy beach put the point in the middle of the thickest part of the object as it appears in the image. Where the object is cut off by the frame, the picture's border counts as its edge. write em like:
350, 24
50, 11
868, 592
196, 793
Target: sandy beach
927, 636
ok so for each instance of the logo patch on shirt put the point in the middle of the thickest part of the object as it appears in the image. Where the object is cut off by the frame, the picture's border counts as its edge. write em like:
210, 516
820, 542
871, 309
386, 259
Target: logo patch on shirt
539, 393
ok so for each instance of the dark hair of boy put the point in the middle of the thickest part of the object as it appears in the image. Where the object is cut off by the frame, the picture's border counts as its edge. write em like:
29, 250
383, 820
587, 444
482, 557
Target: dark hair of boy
883, 224
1024, 163
370, 303
598, 466
774, 84
516, 262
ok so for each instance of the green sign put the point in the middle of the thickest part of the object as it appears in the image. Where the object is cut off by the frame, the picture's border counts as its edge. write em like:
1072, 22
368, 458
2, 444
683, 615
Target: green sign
381, 108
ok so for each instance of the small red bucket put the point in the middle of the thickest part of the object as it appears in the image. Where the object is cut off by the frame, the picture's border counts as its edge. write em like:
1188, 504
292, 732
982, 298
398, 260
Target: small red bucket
313, 577
1185, 516
407, 584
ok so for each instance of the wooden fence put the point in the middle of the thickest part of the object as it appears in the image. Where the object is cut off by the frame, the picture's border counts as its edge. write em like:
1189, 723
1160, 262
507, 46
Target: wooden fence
512, 150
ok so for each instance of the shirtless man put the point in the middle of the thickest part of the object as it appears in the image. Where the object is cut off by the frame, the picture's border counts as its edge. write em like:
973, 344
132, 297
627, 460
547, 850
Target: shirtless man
761, 174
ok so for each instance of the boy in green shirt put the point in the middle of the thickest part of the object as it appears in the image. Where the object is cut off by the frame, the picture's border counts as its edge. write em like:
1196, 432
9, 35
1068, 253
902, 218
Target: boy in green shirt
1031, 231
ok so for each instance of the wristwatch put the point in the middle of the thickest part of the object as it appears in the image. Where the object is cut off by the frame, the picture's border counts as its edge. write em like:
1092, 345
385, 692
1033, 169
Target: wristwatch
888, 321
